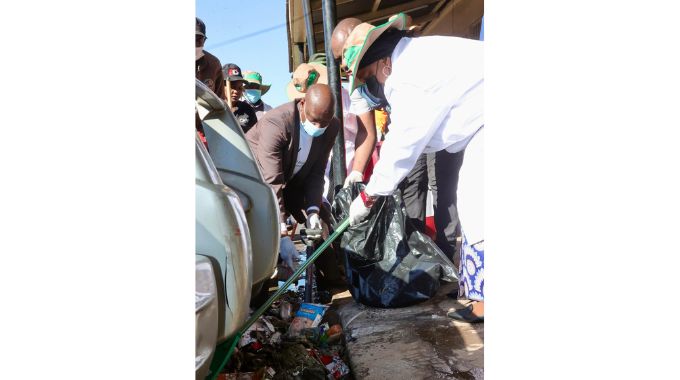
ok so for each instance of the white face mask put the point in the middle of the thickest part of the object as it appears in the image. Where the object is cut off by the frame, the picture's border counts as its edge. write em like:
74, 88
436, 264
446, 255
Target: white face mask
199, 53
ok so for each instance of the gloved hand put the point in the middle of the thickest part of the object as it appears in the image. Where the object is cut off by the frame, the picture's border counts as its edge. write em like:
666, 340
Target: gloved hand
288, 252
359, 209
354, 176
314, 223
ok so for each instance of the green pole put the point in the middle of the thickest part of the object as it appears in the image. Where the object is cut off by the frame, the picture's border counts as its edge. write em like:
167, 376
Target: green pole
282, 289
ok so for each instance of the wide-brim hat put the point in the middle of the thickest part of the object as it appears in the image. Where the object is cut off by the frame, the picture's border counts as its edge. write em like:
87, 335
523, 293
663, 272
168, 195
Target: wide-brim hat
253, 77
360, 39
304, 76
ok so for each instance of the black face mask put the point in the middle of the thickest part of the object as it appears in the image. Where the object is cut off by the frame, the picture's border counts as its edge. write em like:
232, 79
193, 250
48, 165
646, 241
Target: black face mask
375, 88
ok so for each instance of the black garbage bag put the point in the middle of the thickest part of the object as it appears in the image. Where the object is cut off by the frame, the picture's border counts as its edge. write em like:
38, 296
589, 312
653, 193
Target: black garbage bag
389, 263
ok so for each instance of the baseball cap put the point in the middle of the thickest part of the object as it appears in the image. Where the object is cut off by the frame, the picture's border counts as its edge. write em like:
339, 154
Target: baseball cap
200, 27
232, 72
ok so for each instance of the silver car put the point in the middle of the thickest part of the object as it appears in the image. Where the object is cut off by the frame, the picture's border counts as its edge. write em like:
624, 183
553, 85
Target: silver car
237, 229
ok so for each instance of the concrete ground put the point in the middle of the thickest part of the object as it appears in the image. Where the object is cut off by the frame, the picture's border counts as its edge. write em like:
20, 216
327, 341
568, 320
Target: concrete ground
415, 342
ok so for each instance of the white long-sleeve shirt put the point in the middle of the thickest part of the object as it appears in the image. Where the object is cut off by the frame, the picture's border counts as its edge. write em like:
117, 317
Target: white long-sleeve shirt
436, 94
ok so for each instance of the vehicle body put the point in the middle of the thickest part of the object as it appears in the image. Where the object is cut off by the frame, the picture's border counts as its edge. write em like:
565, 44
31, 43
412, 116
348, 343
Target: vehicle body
237, 229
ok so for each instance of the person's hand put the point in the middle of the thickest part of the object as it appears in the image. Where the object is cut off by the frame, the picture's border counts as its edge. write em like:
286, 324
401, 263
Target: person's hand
360, 208
288, 252
314, 223
354, 176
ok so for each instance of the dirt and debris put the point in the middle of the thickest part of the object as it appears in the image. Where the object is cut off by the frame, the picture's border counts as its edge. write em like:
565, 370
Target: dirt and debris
292, 340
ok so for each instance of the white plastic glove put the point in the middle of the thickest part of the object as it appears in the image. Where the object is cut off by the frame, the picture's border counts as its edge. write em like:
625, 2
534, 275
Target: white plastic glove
358, 211
288, 252
314, 223
354, 176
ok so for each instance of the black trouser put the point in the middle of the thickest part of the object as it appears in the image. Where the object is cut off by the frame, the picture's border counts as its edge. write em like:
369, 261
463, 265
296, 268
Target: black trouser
327, 262
443, 169
330, 270
414, 192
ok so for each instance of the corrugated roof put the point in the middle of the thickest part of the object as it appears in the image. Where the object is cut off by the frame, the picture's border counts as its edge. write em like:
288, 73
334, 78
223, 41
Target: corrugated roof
460, 18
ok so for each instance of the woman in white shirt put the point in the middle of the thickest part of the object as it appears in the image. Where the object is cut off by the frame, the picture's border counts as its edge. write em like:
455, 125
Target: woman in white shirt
434, 86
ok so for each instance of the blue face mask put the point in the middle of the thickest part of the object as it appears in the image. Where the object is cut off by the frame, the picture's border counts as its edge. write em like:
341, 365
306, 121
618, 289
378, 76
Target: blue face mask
370, 99
308, 126
312, 130
373, 92
252, 95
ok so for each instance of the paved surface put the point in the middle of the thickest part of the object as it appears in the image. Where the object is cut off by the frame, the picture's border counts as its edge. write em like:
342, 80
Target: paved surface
416, 342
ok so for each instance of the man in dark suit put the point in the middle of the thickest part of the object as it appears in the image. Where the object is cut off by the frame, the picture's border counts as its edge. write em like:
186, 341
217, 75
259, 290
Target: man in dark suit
291, 144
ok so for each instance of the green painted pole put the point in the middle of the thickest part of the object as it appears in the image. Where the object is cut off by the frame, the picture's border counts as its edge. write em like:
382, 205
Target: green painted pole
282, 289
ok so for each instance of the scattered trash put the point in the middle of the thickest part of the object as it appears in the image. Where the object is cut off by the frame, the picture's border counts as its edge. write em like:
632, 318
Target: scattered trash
264, 373
283, 308
276, 338
297, 362
309, 315
334, 334
292, 340
260, 330
270, 327
236, 376
286, 311
335, 366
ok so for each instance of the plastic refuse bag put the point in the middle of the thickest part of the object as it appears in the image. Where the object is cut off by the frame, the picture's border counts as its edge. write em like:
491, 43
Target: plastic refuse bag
389, 263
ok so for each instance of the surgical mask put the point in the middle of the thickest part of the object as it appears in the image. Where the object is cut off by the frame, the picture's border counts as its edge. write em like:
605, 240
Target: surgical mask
372, 101
376, 88
373, 92
199, 53
252, 95
312, 129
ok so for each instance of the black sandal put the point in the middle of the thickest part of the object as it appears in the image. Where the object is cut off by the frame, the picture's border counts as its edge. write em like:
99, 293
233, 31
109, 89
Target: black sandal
465, 315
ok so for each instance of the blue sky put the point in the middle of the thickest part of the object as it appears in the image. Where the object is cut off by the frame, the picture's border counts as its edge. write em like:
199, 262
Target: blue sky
251, 34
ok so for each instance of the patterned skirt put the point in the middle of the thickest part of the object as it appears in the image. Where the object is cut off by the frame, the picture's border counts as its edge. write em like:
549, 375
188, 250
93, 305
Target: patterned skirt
471, 271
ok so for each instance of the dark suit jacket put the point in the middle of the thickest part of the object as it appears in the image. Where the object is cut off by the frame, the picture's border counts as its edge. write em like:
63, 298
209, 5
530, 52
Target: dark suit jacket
275, 140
